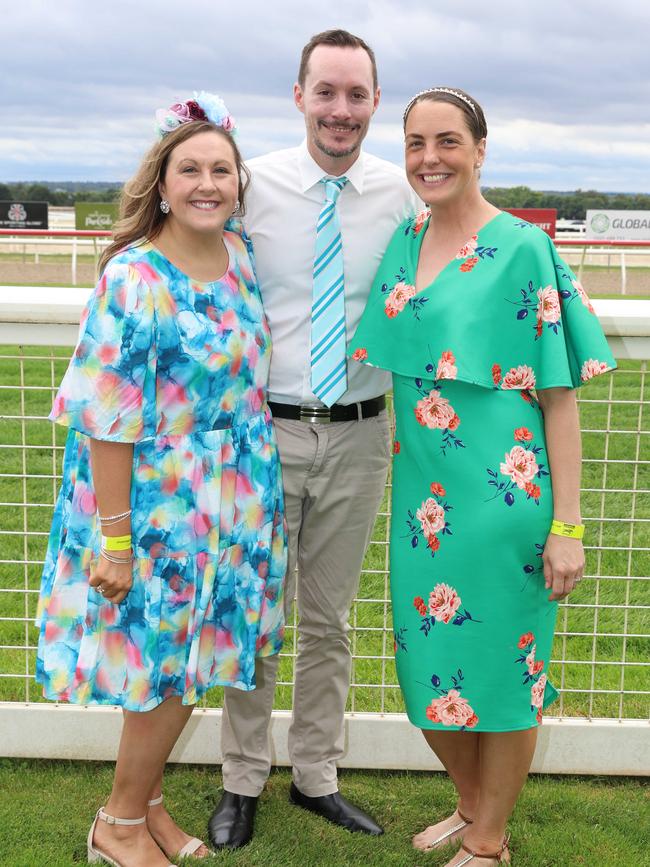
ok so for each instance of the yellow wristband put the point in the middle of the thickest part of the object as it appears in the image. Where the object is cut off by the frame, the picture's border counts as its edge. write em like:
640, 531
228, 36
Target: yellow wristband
569, 531
116, 543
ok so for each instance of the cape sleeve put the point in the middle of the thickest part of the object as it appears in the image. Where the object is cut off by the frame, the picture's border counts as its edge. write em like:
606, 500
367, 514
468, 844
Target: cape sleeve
512, 315
109, 389
568, 345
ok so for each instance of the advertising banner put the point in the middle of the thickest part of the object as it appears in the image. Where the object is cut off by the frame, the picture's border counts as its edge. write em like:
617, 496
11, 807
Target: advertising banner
95, 216
23, 215
545, 218
618, 225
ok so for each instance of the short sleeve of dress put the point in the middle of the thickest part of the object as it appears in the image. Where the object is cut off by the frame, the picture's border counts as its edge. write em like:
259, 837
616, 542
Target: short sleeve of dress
571, 345
109, 390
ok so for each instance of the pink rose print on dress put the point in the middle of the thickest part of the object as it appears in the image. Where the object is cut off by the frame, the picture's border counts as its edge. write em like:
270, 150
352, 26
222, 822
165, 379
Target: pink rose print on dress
435, 411
444, 607
429, 521
496, 374
472, 253
592, 368
522, 377
582, 295
468, 249
417, 223
360, 354
543, 303
521, 466
443, 602
451, 708
533, 673
548, 307
400, 295
437, 489
431, 516
446, 368
537, 692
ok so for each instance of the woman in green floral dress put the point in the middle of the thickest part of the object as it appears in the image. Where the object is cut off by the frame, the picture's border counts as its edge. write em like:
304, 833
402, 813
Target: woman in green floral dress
487, 333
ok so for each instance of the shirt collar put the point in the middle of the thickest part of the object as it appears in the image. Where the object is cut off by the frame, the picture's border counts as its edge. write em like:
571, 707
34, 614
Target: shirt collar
311, 173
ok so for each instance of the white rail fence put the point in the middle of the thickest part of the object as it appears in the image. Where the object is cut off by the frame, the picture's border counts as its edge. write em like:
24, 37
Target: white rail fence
37, 245
601, 656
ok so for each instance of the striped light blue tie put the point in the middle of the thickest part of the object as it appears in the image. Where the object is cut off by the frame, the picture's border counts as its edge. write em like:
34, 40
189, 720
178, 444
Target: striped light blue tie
328, 365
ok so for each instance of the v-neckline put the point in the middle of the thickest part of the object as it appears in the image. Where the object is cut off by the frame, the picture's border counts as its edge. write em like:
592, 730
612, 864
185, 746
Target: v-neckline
415, 253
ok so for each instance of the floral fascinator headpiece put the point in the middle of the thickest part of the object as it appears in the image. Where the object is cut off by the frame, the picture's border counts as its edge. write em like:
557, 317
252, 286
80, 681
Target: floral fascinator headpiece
204, 106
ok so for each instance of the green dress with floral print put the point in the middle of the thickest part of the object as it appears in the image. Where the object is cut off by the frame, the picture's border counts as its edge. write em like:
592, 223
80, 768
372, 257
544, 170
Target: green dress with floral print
472, 499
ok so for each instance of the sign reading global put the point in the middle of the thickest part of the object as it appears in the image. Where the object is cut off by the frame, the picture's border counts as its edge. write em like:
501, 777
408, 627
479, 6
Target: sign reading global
618, 225
23, 215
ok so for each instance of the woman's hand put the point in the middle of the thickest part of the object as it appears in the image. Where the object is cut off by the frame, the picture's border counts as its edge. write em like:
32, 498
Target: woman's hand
564, 563
112, 580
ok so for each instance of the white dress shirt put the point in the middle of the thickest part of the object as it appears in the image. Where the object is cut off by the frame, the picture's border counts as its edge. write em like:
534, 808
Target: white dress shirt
282, 208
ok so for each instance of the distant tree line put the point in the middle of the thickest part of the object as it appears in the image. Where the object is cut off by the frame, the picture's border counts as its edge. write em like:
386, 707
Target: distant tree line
569, 205
61, 195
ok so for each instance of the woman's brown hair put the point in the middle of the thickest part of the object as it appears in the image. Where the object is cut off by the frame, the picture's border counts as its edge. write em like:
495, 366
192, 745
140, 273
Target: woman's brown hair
140, 216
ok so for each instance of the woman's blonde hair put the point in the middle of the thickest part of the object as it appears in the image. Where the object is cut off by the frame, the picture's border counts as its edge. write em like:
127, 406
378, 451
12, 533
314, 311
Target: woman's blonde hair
140, 216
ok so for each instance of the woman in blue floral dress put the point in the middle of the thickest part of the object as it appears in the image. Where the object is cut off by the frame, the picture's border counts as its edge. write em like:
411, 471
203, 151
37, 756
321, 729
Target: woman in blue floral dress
487, 333
166, 559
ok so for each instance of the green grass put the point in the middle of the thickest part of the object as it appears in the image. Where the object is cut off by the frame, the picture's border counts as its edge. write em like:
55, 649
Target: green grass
46, 809
43, 370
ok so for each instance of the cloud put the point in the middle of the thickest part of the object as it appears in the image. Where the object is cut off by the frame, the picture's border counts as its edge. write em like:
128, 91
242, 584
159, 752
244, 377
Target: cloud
563, 85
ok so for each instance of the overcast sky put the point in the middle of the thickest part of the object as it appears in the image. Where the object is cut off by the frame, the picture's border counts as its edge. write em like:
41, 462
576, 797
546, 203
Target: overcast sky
565, 85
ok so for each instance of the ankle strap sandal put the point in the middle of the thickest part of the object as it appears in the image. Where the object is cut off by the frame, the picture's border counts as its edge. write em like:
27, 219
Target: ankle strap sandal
493, 856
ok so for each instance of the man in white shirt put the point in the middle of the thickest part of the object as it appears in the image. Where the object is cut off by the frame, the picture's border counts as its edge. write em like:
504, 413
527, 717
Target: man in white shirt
334, 456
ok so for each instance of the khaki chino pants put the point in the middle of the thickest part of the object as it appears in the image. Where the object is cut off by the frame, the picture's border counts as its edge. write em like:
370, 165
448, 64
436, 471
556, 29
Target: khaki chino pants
334, 477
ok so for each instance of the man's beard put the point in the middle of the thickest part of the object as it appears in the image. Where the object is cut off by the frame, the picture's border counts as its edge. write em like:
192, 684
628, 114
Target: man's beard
330, 152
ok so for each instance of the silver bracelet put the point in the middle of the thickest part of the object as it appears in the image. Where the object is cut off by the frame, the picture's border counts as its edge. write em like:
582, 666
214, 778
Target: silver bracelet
113, 519
107, 556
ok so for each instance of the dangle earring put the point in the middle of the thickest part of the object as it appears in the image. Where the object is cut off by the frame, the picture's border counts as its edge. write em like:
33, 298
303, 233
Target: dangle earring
164, 206
236, 208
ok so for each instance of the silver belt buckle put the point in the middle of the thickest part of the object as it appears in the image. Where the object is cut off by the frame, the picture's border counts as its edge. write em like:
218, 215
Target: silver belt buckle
315, 414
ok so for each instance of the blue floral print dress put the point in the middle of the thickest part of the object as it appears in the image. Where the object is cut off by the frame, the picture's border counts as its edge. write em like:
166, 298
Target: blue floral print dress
178, 368
472, 498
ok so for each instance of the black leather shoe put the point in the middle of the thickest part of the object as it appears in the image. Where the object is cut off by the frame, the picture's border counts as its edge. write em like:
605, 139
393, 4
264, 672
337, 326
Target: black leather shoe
231, 824
335, 808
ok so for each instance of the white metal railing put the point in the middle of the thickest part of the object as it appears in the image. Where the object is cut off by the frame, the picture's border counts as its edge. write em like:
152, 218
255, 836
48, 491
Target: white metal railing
578, 251
600, 660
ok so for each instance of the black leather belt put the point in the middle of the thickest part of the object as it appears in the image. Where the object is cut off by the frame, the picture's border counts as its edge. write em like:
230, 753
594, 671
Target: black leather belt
324, 415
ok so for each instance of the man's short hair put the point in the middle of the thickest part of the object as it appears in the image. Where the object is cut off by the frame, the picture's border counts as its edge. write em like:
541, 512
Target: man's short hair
339, 39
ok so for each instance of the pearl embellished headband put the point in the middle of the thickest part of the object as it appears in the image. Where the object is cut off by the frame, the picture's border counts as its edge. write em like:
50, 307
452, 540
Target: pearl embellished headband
449, 90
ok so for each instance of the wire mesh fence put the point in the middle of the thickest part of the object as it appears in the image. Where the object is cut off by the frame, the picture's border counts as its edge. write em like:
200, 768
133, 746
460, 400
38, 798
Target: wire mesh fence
601, 657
